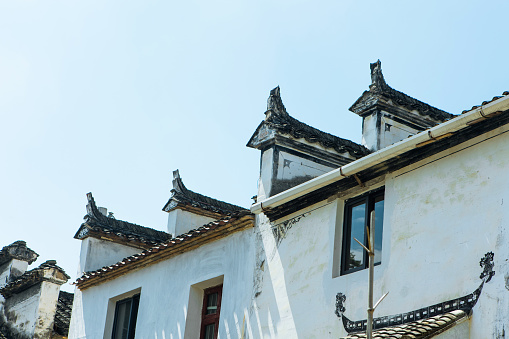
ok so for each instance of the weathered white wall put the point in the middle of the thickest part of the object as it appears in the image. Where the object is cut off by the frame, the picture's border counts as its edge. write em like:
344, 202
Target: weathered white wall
441, 216
97, 253
46, 309
395, 132
291, 166
11, 270
265, 180
180, 222
21, 310
370, 132
165, 289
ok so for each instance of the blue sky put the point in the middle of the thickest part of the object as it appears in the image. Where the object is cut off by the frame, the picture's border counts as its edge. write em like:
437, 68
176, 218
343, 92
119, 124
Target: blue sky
109, 97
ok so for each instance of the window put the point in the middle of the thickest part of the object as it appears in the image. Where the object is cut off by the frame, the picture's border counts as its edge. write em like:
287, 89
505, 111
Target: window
357, 217
126, 312
210, 312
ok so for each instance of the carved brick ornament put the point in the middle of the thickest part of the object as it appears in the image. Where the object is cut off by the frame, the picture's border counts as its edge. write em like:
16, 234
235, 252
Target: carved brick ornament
487, 264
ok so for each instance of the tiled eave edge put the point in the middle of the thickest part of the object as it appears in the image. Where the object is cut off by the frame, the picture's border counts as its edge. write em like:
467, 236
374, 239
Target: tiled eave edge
183, 243
196, 209
118, 238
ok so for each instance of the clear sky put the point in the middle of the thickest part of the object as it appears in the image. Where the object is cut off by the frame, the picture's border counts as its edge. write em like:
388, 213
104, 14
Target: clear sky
109, 97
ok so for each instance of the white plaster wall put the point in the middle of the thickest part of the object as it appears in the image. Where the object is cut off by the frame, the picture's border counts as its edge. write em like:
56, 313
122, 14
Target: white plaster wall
265, 180
291, 166
46, 309
397, 131
180, 222
165, 289
97, 253
441, 216
369, 133
21, 310
12, 270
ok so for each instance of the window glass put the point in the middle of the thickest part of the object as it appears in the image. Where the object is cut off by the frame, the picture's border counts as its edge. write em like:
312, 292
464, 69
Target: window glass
357, 219
126, 313
122, 319
379, 218
357, 231
211, 303
209, 331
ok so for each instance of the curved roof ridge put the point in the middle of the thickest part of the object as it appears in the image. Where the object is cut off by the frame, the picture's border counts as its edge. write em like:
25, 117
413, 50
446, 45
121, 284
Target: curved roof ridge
381, 88
183, 196
277, 118
96, 221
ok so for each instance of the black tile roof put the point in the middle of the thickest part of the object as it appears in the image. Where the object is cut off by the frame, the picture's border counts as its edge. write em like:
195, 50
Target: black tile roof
30, 278
63, 313
97, 223
277, 117
212, 231
380, 89
181, 196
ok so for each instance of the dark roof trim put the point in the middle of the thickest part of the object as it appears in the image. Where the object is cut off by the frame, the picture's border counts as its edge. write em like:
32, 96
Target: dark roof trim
278, 119
183, 243
100, 226
465, 303
197, 203
33, 277
380, 90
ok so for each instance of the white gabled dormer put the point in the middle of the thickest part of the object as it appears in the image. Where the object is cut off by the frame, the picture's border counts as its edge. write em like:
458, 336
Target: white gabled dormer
189, 210
293, 152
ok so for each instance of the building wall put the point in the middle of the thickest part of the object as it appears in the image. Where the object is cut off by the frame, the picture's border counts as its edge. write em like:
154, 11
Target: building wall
21, 310
165, 290
180, 221
97, 253
441, 216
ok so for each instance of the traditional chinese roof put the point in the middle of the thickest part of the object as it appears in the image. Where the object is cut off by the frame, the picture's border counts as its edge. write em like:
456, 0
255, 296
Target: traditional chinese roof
420, 329
17, 250
212, 231
381, 93
186, 199
63, 313
278, 119
33, 277
100, 226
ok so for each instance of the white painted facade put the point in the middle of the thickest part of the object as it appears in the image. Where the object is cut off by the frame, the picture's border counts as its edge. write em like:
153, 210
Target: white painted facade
171, 293
442, 214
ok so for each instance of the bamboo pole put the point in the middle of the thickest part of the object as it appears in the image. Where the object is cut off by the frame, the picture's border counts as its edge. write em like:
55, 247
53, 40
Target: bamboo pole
371, 253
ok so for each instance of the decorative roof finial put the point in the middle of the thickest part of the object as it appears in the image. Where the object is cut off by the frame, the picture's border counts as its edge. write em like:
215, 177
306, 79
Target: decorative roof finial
274, 103
178, 185
377, 78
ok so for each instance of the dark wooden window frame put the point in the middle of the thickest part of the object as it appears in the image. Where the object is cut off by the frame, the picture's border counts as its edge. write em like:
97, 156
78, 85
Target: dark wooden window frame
369, 199
207, 319
133, 315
